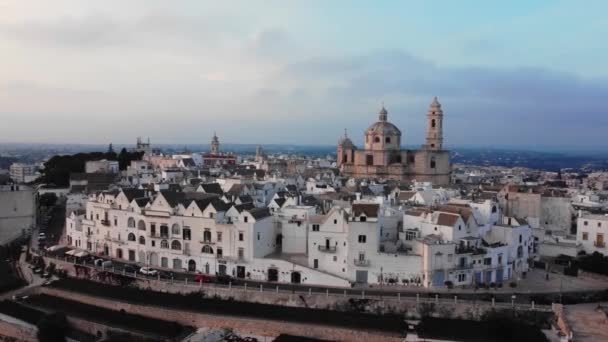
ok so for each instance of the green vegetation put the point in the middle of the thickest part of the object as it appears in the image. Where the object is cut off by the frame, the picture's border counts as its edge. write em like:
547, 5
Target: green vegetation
57, 170
596, 263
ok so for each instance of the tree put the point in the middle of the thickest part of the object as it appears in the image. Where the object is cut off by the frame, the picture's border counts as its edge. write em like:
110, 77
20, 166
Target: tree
48, 199
52, 327
111, 149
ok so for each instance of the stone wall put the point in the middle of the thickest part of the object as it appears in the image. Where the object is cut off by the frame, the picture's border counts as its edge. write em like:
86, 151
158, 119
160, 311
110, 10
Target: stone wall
18, 332
245, 326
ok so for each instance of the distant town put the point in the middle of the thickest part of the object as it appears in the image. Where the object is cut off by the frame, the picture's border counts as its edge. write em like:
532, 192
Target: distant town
396, 230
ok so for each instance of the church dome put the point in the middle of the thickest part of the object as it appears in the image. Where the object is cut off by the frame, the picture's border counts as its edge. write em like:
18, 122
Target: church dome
383, 128
345, 141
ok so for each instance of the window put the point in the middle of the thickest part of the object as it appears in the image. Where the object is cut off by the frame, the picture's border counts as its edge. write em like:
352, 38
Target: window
220, 252
376, 139
410, 235
335, 221
316, 263
241, 253
131, 223
520, 252
599, 224
585, 223
520, 238
585, 236
315, 227
387, 140
207, 249
210, 215
175, 229
131, 237
369, 159
459, 227
487, 261
176, 245
164, 231
450, 257
499, 259
362, 238
335, 258
433, 163
207, 235
219, 236
115, 221
362, 218
142, 240
462, 277
361, 256
153, 243
433, 123
245, 218
164, 244
344, 158
412, 159
493, 209
186, 234
241, 234
259, 236
141, 225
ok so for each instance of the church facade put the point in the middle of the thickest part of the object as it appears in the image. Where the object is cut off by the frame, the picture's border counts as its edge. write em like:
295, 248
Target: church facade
382, 156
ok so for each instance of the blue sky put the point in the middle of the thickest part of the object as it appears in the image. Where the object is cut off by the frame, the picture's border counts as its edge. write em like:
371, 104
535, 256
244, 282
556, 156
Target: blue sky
509, 74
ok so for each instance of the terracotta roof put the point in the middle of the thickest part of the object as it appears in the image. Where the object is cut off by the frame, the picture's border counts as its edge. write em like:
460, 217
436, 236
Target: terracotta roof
445, 219
406, 195
463, 211
370, 210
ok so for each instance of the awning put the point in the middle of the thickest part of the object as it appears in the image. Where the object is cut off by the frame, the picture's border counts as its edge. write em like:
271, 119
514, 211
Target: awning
54, 248
81, 254
71, 252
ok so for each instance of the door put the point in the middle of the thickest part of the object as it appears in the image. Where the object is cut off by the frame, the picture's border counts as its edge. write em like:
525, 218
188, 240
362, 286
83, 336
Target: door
478, 278
361, 277
438, 278
222, 269
142, 257
273, 274
119, 253
296, 277
106, 250
600, 240
164, 262
192, 266
499, 275
131, 255
177, 264
488, 277
207, 268
240, 271
153, 259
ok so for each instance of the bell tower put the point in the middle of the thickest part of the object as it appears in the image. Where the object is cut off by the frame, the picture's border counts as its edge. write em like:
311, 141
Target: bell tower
434, 129
215, 144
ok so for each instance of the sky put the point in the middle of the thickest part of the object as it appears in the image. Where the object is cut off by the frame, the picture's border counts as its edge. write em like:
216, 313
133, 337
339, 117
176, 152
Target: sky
530, 74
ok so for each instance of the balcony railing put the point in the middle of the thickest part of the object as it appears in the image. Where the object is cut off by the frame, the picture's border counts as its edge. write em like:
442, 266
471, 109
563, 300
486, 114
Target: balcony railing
600, 244
326, 249
207, 242
362, 262
464, 266
105, 222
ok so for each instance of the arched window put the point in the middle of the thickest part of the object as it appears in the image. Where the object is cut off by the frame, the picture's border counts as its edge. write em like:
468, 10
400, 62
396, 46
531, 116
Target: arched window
433, 164
131, 237
377, 139
387, 140
207, 249
433, 123
141, 225
175, 229
131, 222
176, 245
164, 244
142, 240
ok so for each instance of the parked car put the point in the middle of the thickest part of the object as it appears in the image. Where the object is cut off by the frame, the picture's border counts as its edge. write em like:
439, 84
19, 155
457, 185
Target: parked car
148, 271
165, 274
224, 279
203, 278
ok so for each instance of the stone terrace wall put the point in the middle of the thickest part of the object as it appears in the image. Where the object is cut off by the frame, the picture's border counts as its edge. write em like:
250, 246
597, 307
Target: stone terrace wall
249, 326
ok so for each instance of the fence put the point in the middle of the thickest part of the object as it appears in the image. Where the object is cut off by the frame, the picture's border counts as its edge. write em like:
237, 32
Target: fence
244, 286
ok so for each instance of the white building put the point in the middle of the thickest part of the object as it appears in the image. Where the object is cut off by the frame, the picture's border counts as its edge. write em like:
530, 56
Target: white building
23, 173
592, 231
17, 211
102, 166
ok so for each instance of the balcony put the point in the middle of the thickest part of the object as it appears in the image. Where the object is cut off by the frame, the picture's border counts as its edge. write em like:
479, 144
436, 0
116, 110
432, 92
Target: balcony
464, 266
599, 244
470, 250
326, 249
105, 222
207, 242
362, 262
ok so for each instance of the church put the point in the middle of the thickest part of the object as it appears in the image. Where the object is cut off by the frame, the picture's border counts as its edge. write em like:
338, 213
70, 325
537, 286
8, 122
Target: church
383, 157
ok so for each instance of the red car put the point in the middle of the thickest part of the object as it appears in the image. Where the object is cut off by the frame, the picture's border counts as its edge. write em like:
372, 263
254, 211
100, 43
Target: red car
203, 278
